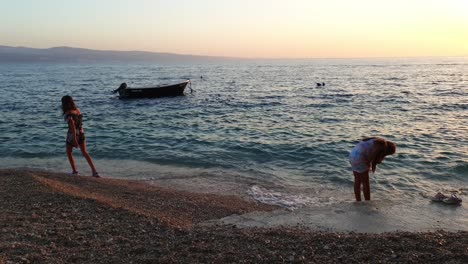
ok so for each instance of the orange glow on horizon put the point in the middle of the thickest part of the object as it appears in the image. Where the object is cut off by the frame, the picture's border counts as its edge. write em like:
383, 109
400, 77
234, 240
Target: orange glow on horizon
258, 29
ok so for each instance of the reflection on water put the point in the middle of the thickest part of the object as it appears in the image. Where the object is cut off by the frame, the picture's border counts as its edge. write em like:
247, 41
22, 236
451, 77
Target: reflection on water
261, 123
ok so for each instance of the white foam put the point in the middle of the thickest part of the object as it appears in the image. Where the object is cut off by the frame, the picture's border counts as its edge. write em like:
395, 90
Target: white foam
375, 216
284, 200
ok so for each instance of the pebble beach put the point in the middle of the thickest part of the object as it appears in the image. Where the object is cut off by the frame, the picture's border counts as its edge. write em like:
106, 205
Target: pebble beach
55, 218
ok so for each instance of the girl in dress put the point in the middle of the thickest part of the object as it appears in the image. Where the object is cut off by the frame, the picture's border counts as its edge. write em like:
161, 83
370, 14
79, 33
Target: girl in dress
364, 157
75, 135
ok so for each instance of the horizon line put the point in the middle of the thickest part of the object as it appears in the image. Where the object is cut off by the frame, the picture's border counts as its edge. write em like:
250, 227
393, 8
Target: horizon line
244, 58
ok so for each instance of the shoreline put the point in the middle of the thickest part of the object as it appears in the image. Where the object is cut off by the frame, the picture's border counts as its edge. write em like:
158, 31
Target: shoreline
286, 194
52, 217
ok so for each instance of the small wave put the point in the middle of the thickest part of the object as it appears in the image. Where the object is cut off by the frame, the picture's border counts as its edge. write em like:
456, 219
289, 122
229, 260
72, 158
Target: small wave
288, 201
321, 105
165, 78
330, 120
396, 84
265, 97
461, 169
30, 154
448, 64
344, 95
247, 105
450, 107
394, 79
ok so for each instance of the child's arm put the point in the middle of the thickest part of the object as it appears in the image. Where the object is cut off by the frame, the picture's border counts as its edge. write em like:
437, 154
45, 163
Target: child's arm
71, 124
377, 160
379, 153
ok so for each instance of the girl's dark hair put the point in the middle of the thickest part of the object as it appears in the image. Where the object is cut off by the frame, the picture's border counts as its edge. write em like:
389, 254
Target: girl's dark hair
68, 104
390, 148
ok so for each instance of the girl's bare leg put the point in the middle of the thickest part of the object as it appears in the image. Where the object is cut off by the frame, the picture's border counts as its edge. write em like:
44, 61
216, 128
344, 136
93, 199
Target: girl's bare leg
70, 157
357, 186
87, 156
366, 186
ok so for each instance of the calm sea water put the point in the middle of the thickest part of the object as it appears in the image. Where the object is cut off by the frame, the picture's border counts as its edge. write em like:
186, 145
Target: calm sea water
261, 126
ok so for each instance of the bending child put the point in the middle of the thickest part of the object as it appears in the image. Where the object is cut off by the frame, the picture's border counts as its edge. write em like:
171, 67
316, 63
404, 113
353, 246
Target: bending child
364, 157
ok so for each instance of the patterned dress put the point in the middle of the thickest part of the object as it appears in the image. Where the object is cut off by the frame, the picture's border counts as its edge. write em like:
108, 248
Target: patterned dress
78, 120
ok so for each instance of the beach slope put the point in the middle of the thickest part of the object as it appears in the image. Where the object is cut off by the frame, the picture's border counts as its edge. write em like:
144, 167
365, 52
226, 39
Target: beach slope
54, 218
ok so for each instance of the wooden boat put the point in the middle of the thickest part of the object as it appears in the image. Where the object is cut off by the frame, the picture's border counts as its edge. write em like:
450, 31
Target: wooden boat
151, 92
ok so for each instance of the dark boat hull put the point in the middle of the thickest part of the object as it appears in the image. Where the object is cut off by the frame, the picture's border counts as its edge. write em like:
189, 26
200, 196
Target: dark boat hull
153, 92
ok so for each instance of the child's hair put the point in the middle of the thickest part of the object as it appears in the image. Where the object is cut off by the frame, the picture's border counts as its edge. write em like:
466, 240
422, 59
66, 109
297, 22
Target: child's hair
68, 104
390, 148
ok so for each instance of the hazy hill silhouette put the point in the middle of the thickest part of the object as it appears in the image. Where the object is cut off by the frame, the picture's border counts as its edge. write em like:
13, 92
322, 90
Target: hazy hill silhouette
69, 54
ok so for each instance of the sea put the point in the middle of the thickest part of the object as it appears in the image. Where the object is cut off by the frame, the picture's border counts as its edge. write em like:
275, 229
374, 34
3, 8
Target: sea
257, 128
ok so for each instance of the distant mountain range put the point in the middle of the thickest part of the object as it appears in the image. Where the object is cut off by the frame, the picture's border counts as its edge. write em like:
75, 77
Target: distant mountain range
69, 54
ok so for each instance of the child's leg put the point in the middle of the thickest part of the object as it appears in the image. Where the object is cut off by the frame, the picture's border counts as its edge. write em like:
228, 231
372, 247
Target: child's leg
87, 156
70, 157
366, 185
357, 186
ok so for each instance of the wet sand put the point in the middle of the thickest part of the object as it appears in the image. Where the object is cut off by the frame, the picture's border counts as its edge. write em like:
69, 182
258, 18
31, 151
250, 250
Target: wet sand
54, 218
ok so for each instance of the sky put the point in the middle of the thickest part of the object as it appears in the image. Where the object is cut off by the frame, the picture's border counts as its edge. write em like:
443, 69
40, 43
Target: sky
243, 28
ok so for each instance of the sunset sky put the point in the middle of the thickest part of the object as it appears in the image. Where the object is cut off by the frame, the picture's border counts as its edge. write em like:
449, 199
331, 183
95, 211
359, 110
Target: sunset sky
243, 28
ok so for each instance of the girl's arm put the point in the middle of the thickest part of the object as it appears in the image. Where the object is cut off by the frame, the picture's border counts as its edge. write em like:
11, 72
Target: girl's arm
378, 154
377, 160
71, 124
